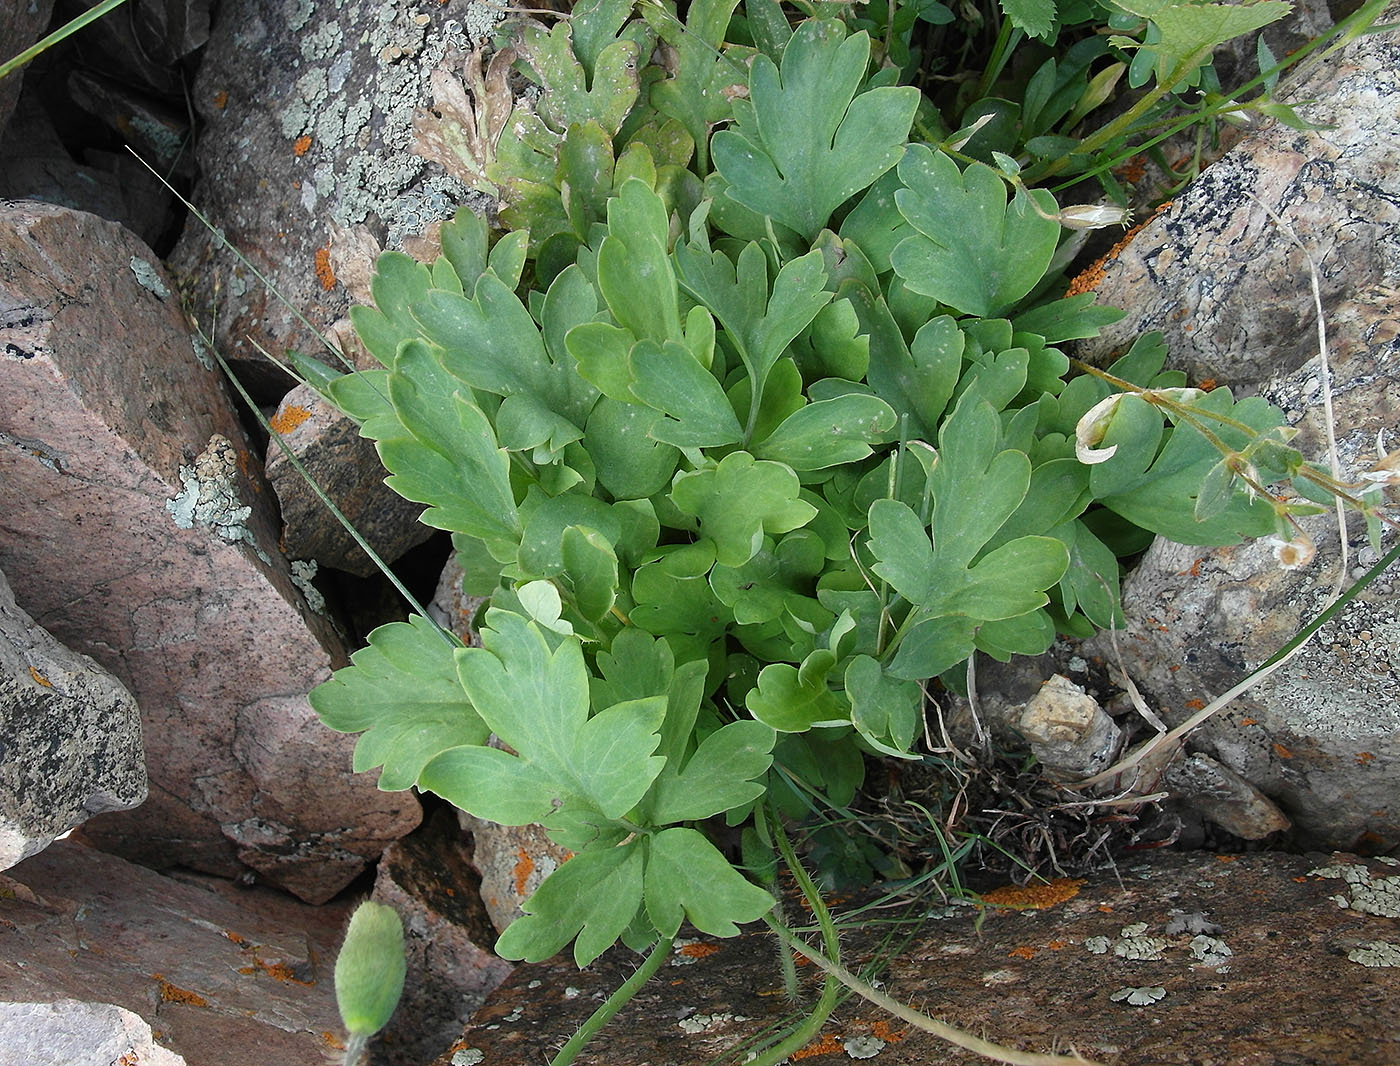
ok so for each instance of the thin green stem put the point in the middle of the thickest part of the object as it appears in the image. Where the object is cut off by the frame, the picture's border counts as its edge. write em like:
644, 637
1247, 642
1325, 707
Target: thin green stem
614, 1003
320, 494
63, 32
831, 989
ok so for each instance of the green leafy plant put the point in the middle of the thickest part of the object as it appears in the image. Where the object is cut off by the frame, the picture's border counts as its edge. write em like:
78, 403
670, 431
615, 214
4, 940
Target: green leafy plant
746, 457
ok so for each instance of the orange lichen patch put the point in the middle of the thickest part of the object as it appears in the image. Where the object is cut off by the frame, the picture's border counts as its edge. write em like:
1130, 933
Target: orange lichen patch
1195, 704
1208, 385
1034, 897
40, 679
171, 994
524, 867
241, 941
281, 972
698, 951
1089, 278
287, 419
881, 1030
331, 1040
301, 145
1132, 171
826, 1044
221, 99
1023, 952
324, 274
1281, 751
1106, 908
1226, 858
1363, 758
1249, 721
1057, 945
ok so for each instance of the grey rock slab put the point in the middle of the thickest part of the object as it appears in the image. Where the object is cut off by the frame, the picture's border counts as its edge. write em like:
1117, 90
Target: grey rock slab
70, 734
72, 1033
427, 877
1227, 287
1230, 290
1273, 982
307, 111
219, 977
1225, 798
347, 468
136, 528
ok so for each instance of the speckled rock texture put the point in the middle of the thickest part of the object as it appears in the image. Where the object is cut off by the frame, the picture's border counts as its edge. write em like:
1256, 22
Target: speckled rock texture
427, 877
71, 1033
222, 977
135, 527
1248, 960
21, 24
70, 734
308, 106
1231, 292
347, 468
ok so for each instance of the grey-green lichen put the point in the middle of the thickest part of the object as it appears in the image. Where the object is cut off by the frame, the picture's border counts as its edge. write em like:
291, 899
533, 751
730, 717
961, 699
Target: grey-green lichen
862, 1047
1139, 997
360, 153
303, 573
1364, 893
1133, 944
1376, 953
468, 1056
209, 496
148, 277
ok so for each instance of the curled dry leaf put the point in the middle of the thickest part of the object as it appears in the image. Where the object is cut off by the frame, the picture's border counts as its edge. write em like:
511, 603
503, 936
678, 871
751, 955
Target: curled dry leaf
463, 127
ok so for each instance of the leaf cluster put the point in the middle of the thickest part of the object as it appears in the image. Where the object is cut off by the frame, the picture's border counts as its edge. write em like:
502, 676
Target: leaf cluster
749, 433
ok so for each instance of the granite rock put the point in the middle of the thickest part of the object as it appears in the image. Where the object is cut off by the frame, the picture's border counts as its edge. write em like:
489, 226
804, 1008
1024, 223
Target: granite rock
209, 971
307, 112
1230, 290
70, 733
1173, 960
427, 877
70, 1033
346, 467
136, 528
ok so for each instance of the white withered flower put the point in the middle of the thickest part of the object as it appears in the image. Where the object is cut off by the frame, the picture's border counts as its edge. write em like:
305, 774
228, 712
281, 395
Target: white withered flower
1293, 554
1093, 216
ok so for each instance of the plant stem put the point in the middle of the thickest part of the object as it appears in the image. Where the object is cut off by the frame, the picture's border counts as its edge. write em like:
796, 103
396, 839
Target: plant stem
64, 31
812, 1024
921, 1021
614, 1003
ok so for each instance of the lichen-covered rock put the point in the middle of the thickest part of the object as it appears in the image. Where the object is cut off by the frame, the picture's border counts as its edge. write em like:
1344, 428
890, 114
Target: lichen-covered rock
347, 469
308, 110
69, 1032
222, 975
1178, 958
136, 528
427, 877
70, 733
1231, 292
